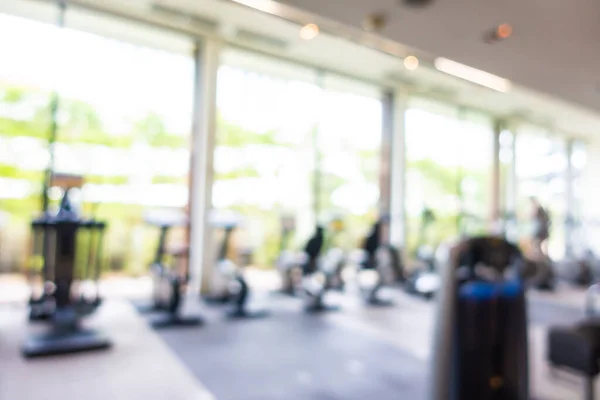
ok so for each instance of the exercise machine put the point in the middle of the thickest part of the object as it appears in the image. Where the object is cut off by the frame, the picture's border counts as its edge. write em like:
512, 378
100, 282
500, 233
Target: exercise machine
424, 280
317, 272
384, 261
65, 302
237, 293
480, 347
334, 260
580, 263
169, 282
287, 261
538, 271
576, 348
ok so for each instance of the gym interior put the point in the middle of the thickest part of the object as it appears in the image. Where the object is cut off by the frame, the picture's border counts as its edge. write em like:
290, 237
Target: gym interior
263, 200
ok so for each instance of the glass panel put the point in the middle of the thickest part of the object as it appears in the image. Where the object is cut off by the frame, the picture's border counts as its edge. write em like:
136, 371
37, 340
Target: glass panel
123, 125
264, 158
541, 163
448, 167
25, 93
349, 143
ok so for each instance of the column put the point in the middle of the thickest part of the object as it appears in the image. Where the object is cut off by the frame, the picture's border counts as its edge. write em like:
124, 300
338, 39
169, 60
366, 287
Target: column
590, 195
397, 164
495, 181
508, 181
385, 167
570, 207
202, 251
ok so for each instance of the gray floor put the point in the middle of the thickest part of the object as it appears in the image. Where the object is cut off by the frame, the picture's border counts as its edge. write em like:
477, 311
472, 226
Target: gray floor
544, 313
291, 355
295, 356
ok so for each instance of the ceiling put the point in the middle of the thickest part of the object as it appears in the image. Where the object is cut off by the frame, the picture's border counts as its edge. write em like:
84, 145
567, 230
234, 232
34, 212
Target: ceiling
339, 48
554, 47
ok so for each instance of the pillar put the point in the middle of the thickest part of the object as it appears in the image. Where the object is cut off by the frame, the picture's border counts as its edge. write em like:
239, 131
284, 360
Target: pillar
495, 181
397, 175
571, 213
202, 252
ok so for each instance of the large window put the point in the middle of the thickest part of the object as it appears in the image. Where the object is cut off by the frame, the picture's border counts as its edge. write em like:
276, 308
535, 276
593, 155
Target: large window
449, 158
294, 143
123, 123
541, 165
264, 157
349, 146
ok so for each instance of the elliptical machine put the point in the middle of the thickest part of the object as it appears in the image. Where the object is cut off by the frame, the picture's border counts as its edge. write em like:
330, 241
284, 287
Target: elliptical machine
580, 261
287, 262
316, 273
169, 283
480, 346
424, 280
237, 291
382, 259
64, 301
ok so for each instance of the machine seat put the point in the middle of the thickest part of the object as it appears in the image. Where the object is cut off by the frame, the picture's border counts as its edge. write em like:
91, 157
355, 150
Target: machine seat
576, 347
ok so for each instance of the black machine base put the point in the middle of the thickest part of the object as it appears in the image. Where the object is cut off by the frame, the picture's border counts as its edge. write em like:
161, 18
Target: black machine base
287, 291
217, 299
247, 314
380, 302
147, 308
36, 314
65, 342
321, 307
175, 321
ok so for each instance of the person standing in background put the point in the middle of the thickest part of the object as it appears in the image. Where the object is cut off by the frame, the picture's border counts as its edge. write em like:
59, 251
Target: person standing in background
541, 227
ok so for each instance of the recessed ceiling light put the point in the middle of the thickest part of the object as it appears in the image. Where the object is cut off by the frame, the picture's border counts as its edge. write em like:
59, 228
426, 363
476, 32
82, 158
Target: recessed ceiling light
503, 31
411, 63
309, 31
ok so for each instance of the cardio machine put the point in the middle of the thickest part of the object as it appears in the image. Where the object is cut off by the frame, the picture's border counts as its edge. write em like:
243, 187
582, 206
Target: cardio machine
480, 349
65, 302
384, 260
424, 280
580, 263
287, 261
317, 272
169, 283
237, 289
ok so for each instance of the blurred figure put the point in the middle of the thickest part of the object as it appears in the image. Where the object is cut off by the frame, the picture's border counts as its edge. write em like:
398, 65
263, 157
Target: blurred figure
313, 249
371, 244
541, 227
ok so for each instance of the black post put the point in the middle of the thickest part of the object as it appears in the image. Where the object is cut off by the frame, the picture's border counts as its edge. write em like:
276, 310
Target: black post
54, 103
316, 148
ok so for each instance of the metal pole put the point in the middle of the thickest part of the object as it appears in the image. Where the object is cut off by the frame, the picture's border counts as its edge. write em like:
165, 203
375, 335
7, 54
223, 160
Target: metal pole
317, 152
397, 165
495, 203
54, 104
570, 206
460, 175
588, 389
386, 161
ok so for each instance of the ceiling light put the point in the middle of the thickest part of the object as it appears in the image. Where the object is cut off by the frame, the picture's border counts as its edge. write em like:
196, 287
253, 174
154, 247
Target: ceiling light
504, 31
411, 63
268, 6
473, 75
309, 31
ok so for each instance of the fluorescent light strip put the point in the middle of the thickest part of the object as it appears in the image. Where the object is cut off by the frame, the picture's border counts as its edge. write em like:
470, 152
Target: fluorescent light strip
268, 6
473, 75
